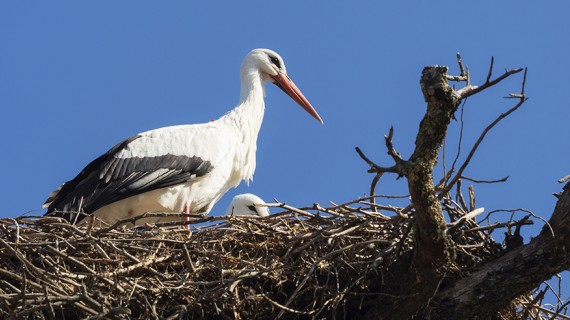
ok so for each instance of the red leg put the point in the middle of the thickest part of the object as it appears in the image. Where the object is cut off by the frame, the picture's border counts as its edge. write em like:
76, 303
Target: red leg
186, 210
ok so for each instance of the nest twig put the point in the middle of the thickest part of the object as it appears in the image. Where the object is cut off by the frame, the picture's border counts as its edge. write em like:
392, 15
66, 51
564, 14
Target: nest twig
314, 261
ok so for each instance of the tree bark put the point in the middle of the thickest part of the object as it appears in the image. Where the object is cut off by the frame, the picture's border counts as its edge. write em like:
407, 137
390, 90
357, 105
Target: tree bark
413, 280
432, 246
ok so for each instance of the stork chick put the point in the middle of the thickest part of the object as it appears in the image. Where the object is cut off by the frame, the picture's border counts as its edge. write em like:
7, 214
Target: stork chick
247, 204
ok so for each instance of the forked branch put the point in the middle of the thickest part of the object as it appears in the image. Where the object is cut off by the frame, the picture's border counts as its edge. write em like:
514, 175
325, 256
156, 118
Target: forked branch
465, 76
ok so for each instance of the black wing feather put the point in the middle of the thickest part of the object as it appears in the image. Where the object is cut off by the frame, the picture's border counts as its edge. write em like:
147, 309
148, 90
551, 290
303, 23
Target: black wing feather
108, 179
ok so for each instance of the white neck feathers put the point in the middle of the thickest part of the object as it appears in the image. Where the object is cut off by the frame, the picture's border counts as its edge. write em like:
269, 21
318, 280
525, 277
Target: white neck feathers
247, 116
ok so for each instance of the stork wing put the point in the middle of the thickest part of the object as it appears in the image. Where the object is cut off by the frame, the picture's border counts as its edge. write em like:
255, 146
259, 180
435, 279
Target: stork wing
108, 179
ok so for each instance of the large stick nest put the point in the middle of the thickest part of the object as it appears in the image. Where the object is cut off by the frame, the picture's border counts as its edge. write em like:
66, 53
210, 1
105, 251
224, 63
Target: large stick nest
301, 263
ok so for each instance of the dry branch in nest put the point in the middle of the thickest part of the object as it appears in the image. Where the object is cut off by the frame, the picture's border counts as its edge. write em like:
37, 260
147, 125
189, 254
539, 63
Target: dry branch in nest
433, 257
294, 263
315, 262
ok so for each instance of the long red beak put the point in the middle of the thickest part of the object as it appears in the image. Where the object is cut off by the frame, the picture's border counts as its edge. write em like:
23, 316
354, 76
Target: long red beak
288, 86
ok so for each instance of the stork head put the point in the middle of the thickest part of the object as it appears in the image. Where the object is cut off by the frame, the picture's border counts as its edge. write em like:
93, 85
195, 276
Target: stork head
247, 205
272, 68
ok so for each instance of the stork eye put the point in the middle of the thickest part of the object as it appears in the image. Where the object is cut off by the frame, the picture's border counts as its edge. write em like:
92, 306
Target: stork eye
275, 61
252, 208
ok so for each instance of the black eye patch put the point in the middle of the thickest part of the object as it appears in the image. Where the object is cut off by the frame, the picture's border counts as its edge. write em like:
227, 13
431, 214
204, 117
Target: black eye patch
275, 61
252, 208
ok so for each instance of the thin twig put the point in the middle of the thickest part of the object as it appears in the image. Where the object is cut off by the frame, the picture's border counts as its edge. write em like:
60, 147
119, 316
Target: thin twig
459, 173
485, 181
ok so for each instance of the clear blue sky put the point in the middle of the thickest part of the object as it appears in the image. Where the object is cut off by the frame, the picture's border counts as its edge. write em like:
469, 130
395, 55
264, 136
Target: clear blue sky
78, 77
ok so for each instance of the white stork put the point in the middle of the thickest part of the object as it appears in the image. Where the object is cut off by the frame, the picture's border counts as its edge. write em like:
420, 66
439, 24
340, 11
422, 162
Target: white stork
185, 168
247, 204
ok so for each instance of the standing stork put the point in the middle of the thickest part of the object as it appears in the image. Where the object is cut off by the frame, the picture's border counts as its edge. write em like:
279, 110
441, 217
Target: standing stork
185, 168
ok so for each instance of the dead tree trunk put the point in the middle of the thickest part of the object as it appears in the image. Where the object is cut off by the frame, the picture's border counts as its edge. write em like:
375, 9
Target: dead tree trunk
417, 286
415, 279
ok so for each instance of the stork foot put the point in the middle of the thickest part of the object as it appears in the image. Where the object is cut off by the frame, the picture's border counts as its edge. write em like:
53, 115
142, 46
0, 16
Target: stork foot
185, 219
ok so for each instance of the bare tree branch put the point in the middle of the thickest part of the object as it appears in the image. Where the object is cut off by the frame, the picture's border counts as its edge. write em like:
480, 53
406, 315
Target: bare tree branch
471, 90
485, 181
432, 251
459, 173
